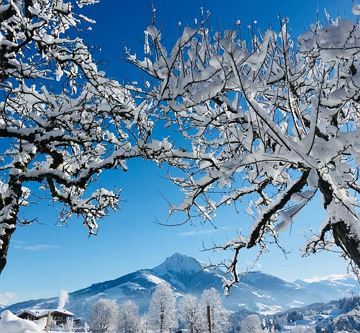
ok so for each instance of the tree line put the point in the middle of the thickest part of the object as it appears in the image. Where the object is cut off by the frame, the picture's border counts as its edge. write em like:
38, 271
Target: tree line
204, 314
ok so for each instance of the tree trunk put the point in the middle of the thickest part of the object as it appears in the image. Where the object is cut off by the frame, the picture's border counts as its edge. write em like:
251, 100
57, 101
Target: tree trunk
208, 310
161, 322
347, 240
5, 239
9, 207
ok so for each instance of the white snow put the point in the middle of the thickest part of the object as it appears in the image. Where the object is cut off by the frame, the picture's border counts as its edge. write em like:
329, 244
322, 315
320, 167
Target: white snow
331, 277
44, 312
268, 309
356, 9
221, 79
296, 304
132, 286
10, 323
154, 279
179, 263
258, 295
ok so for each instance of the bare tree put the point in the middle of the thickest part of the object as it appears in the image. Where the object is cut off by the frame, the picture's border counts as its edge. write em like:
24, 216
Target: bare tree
62, 122
162, 314
273, 124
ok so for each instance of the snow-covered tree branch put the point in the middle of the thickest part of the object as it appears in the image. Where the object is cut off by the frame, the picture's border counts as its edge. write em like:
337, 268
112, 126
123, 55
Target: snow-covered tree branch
62, 121
275, 123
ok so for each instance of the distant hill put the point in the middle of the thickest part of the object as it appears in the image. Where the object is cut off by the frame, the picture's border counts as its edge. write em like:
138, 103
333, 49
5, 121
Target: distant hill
257, 291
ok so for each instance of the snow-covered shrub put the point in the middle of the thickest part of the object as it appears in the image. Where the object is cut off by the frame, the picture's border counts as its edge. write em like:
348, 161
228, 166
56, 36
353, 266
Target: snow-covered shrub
69, 326
251, 324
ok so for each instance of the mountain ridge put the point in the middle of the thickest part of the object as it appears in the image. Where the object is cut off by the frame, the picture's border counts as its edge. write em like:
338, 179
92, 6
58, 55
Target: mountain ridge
257, 291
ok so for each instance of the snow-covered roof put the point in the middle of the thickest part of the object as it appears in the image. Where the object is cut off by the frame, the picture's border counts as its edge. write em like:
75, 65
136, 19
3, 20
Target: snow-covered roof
44, 312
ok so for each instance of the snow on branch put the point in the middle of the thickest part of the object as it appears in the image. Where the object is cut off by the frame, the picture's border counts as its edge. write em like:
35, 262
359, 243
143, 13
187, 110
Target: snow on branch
62, 120
271, 124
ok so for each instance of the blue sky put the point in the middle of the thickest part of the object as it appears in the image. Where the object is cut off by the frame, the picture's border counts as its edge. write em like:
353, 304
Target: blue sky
45, 257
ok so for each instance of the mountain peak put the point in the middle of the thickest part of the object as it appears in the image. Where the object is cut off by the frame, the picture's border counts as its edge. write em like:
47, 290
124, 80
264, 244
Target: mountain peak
179, 263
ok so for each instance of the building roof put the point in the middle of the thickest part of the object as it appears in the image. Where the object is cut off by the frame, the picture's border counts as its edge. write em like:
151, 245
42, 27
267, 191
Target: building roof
39, 313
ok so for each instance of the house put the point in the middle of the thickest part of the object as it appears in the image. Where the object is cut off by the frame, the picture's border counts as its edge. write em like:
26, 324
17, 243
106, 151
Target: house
56, 315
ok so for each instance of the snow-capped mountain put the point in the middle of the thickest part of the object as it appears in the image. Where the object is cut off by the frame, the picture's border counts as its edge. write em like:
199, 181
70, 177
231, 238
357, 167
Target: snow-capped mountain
256, 292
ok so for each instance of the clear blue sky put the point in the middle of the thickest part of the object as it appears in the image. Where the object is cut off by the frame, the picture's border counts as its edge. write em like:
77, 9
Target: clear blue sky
45, 258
